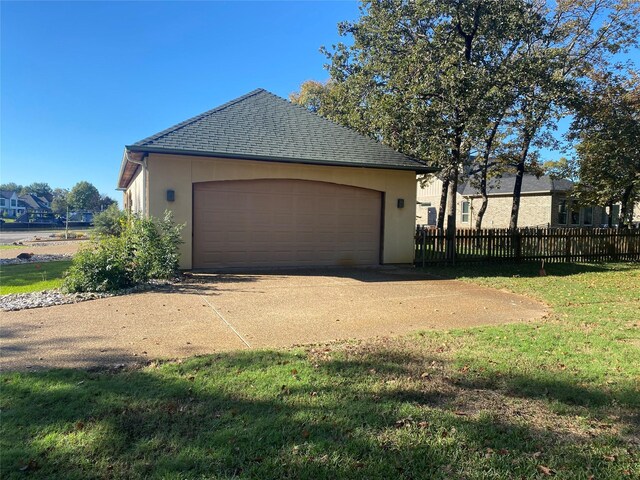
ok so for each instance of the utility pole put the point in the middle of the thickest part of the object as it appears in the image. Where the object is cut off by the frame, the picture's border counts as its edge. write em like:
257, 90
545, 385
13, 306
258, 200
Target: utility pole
66, 224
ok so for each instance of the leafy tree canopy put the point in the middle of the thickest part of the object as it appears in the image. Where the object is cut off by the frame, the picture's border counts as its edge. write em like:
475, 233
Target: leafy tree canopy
84, 196
39, 189
607, 131
11, 187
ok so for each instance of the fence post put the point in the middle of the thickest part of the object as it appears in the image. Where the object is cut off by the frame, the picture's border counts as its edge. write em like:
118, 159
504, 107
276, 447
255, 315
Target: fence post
516, 239
568, 246
424, 246
490, 242
450, 244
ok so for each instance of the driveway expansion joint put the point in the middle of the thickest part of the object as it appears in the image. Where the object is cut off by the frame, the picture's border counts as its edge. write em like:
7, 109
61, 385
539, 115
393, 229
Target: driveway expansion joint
225, 321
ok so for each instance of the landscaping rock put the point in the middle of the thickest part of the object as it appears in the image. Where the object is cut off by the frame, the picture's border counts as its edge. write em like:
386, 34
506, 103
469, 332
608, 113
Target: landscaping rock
33, 258
49, 298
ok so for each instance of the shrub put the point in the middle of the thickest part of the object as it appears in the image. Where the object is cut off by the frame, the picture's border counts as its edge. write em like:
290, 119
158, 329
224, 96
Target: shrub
145, 249
110, 221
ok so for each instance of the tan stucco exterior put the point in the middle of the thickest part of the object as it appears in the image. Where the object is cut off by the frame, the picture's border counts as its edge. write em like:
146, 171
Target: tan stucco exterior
134, 195
179, 173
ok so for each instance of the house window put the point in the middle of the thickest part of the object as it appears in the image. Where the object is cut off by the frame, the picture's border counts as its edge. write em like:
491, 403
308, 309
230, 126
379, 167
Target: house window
2, 202
575, 214
615, 214
13, 202
587, 216
562, 212
465, 212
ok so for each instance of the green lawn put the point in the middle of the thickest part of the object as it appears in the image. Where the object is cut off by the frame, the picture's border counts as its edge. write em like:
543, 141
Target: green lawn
32, 277
556, 397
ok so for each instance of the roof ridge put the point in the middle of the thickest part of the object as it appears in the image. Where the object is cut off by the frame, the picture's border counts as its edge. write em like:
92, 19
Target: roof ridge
349, 129
198, 117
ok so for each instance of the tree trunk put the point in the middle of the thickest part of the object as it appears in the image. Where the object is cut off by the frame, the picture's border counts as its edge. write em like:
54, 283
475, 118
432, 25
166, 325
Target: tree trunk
625, 211
488, 149
451, 213
517, 187
443, 202
485, 200
610, 216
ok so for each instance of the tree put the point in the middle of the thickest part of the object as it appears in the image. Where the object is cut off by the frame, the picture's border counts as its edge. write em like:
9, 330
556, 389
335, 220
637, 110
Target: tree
577, 37
39, 189
563, 168
312, 96
84, 196
105, 202
419, 76
60, 201
11, 187
607, 130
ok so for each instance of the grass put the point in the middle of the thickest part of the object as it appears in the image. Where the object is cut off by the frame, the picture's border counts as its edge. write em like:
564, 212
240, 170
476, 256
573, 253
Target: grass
556, 397
10, 247
32, 277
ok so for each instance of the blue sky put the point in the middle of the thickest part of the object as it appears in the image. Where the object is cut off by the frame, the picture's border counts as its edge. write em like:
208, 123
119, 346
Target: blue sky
79, 80
82, 79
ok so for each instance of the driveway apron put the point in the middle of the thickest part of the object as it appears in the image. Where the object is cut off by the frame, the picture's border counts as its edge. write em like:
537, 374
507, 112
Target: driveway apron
230, 311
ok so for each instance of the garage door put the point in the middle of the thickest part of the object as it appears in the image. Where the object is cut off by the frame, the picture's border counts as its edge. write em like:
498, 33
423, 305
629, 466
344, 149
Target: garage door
270, 223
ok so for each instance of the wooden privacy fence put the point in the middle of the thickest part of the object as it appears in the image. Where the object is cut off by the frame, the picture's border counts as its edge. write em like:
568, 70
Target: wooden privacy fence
549, 244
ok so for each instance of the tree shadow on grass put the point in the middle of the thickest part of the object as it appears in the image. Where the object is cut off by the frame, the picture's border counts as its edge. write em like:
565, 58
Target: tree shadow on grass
523, 269
267, 415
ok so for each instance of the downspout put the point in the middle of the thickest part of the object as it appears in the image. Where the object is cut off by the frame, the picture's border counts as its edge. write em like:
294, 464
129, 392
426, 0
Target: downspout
143, 164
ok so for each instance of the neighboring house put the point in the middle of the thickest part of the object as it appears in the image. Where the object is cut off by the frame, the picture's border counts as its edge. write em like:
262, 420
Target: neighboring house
34, 204
10, 205
260, 182
544, 202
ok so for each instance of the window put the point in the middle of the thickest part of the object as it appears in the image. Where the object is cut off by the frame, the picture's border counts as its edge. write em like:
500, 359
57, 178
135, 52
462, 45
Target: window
614, 212
465, 212
587, 216
562, 212
2, 204
575, 214
13, 202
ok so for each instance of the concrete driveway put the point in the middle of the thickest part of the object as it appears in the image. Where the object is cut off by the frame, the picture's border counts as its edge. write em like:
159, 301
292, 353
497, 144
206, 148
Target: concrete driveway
219, 312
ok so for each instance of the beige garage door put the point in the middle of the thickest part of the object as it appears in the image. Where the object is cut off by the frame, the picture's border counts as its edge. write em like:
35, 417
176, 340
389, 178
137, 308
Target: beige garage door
268, 223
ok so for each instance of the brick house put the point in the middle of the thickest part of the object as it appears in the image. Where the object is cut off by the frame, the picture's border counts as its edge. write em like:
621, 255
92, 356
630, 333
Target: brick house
544, 202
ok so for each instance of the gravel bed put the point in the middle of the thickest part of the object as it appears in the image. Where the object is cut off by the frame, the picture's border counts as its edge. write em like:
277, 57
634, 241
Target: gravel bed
35, 259
49, 298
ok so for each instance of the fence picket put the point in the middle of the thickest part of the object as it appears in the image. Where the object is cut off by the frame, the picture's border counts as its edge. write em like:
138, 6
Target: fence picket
549, 244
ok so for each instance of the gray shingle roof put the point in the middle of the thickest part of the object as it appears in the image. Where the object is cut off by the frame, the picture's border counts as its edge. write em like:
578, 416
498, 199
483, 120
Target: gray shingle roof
263, 126
530, 184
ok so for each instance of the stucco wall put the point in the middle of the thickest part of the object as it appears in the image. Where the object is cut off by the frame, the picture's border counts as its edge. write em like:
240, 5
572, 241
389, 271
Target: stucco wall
133, 196
178, 173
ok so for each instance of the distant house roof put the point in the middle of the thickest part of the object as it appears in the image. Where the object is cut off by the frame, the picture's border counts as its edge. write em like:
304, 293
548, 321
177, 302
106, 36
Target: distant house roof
6, 193
263, 126
33, 202
530, 184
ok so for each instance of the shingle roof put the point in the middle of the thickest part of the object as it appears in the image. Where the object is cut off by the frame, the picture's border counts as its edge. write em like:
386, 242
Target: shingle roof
32, 201
530, 184
263, 126
6, 193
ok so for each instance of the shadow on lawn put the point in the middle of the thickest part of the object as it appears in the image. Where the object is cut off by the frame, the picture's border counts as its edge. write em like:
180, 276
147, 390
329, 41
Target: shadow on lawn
523, 269
344, 418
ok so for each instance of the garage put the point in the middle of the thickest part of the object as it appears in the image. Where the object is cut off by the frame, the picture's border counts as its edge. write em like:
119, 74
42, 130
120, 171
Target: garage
283, 223
258, 182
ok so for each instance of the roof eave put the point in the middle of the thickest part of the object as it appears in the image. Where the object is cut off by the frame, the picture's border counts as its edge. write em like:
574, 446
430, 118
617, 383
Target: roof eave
419, 168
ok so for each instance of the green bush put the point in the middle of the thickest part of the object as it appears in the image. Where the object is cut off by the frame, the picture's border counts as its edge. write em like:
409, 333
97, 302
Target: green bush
145, 249
111, 221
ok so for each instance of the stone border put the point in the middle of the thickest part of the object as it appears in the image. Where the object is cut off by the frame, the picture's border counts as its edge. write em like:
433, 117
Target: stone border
36, 259
50, 298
